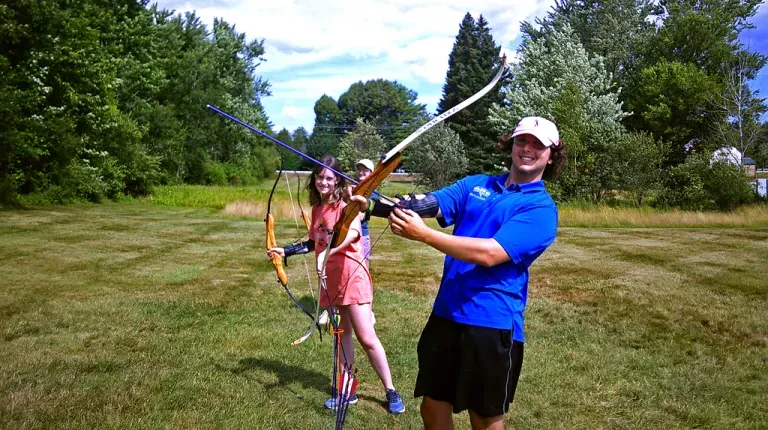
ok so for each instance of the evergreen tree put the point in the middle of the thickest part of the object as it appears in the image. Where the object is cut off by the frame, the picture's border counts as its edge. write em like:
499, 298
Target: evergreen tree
439, 156
472, 63
300, 141
326, 133
291, 161
300, 138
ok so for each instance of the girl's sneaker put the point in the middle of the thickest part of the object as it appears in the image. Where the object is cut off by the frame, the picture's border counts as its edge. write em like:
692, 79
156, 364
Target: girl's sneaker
395, 403
331, 403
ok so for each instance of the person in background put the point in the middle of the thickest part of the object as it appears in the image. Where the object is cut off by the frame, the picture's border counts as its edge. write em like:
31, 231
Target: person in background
364, 168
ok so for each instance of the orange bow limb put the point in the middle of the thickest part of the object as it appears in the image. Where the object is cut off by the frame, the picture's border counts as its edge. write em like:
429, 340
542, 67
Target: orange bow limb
392, 159
307, 221
277, 260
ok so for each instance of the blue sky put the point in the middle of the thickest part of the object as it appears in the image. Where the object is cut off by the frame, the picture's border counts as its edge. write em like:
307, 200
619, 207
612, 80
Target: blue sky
322, 47
757, 40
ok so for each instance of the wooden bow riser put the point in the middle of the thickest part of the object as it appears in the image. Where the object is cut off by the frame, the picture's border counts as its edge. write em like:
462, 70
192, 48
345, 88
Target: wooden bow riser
365, 188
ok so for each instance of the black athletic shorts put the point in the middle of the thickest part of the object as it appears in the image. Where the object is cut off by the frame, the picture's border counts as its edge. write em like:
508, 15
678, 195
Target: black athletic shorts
470, 367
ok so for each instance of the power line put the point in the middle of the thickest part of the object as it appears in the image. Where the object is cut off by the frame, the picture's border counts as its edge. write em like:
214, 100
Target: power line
381, 127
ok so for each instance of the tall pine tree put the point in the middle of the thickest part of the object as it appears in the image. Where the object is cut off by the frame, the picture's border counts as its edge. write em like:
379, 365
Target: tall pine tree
291, 161
472, 63
326, 133
300, 142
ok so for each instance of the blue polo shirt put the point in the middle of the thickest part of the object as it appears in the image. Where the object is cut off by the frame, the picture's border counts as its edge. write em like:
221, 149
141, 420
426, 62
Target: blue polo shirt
523, 220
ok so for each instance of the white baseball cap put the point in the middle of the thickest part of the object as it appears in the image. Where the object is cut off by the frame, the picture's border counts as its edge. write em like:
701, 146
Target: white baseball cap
541, 128
367, 163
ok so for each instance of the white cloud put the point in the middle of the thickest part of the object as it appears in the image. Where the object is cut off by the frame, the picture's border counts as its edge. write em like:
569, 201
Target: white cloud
292, 112
430, 100
315, 48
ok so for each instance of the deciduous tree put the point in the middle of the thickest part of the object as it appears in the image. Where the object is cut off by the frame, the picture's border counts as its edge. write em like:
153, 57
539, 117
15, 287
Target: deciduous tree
439, 156
362, 142
557, 79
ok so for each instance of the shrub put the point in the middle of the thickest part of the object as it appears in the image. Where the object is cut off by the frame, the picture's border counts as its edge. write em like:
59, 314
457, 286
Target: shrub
215, 173
8, 195
727, 186
697, 185
682, 187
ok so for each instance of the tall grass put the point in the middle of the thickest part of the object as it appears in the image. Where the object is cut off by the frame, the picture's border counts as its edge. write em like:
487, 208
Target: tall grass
252, 202
755, 216
202, 196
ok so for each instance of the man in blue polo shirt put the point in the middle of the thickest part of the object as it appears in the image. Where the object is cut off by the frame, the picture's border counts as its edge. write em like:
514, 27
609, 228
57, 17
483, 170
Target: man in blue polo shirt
471, 350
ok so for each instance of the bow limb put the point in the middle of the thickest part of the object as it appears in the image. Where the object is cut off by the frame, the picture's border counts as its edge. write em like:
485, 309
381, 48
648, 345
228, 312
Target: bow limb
391, 159
277, 261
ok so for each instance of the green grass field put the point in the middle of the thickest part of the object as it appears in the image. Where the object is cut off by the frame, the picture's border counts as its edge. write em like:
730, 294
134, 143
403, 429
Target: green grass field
166, 314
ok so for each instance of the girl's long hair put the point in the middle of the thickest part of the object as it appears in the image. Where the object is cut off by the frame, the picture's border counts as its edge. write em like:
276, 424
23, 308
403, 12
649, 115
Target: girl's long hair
338, 192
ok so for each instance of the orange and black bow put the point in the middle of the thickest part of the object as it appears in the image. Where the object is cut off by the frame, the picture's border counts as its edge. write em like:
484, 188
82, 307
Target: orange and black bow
387, 165
277, 261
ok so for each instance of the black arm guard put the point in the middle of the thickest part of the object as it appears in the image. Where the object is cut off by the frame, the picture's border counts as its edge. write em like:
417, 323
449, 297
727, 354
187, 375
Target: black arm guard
298, 248
379, 209
425, 207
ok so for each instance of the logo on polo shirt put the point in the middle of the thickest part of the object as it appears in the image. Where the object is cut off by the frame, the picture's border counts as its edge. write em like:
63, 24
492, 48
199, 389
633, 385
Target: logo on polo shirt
480, 193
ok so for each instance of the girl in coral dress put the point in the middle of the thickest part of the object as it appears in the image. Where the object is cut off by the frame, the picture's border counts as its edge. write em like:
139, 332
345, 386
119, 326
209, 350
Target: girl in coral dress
348, 282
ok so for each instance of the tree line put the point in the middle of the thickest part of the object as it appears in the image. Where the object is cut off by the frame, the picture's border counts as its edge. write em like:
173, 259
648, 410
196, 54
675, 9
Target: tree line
643, 92
105, 98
